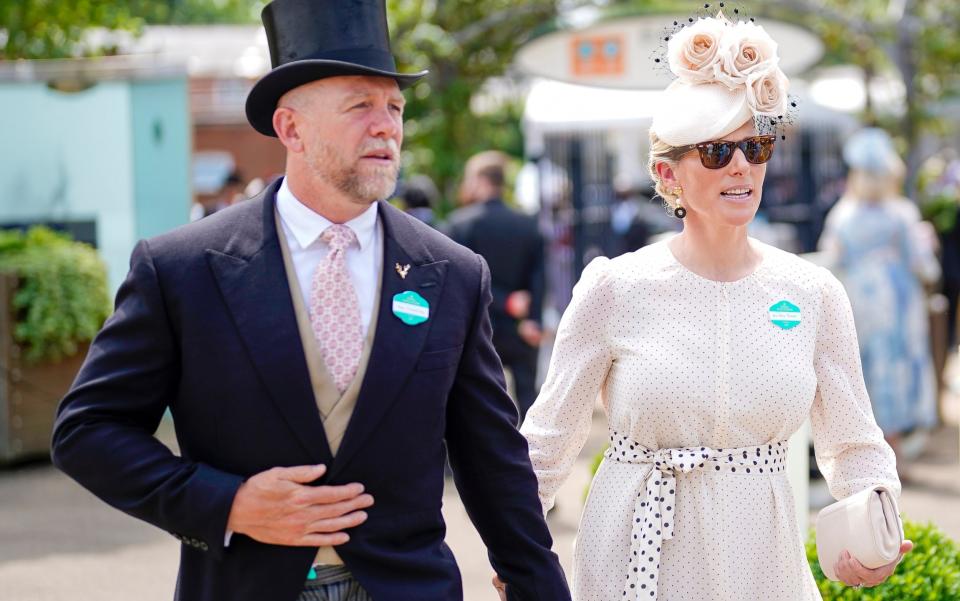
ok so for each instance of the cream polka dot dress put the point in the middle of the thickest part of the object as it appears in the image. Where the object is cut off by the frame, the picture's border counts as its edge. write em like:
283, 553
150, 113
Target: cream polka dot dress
703, 383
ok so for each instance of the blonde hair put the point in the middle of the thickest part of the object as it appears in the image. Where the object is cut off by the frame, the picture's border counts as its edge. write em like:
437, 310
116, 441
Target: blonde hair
873, 187
661, 152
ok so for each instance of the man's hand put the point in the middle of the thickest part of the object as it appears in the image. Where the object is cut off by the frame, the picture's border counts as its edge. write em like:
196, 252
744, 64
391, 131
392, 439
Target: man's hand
530, 332
501, 587
518, 304
278, 507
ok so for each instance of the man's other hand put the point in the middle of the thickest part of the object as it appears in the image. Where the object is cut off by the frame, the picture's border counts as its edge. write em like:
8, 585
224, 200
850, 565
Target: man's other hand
530, 332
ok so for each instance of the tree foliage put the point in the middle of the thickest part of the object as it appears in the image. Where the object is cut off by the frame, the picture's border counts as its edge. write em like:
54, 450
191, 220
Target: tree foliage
36, 29
56, 28
197, 12
463, 44
916, 41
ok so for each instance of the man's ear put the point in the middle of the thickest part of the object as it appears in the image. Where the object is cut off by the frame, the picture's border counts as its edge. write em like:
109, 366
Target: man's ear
466, 191
285, 124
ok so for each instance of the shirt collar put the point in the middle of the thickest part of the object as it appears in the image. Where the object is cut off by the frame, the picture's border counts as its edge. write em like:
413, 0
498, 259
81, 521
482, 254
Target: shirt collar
307, 225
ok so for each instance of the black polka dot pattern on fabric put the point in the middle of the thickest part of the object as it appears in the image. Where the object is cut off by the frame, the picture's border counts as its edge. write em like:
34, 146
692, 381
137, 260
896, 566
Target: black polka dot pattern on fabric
684, 364
654, 521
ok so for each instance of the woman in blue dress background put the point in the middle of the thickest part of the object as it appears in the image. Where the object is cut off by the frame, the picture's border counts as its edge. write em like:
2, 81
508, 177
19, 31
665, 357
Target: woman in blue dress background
875, 242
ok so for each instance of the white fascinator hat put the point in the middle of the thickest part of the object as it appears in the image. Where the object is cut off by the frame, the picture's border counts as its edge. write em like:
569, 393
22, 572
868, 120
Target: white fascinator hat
727, 73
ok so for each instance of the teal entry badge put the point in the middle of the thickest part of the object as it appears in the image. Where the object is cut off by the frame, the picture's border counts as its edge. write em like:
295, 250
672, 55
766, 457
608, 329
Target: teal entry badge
411, 308
785, 315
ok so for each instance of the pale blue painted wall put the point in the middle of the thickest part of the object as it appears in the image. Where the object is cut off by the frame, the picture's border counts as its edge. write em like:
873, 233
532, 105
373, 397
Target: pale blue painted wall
161, 155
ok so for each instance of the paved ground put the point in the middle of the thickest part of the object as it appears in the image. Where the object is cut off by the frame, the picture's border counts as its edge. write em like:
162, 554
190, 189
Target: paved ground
58, 542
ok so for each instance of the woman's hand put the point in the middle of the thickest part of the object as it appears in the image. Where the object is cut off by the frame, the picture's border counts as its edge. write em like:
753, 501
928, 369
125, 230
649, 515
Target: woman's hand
852, 573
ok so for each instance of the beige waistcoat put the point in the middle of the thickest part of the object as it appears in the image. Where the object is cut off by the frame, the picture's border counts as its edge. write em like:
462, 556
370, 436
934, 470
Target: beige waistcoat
335, 409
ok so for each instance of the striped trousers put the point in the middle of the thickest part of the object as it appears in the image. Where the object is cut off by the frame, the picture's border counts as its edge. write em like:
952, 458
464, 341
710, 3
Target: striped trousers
332, 583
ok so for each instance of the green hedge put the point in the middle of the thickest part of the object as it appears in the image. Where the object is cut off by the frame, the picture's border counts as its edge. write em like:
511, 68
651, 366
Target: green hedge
931, 572
62, 299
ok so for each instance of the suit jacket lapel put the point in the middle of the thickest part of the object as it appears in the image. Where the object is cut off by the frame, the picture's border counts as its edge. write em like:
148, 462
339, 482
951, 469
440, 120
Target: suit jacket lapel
252, 280
396, 346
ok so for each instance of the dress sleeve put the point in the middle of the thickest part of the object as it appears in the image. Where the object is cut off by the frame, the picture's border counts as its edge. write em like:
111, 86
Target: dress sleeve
918, 244
850, 448
557, 425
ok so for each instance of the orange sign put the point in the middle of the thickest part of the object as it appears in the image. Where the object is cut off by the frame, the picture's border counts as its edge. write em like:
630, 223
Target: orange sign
597, 55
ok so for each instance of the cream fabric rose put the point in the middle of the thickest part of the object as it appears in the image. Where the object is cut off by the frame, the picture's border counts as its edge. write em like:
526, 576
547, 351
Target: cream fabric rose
727, 74
767, 93
695, 51
747, 49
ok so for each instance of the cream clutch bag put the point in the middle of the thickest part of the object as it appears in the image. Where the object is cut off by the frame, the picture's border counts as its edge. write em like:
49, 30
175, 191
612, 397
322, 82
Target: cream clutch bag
866, 524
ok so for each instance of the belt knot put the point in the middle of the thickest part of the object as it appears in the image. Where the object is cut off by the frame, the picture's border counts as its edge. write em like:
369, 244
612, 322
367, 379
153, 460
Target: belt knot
653, 518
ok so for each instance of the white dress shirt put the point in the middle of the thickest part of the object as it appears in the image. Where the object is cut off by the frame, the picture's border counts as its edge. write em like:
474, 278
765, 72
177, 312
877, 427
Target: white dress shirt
303, 228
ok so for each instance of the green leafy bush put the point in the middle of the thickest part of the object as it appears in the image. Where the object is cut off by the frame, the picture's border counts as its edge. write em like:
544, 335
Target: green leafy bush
941, 211
62, 298
931, 572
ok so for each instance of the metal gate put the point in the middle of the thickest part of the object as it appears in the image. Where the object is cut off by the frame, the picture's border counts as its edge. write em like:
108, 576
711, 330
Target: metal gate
576, 191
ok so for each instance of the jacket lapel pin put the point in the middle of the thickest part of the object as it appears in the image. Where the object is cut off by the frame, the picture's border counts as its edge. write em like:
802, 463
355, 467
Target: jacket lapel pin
402, 270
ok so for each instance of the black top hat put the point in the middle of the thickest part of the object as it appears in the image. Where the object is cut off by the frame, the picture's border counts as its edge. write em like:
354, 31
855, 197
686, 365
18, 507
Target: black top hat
313, 39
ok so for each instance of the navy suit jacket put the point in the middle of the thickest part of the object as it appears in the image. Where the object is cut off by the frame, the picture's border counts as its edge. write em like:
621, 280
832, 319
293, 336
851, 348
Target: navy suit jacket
511, 244
205, 326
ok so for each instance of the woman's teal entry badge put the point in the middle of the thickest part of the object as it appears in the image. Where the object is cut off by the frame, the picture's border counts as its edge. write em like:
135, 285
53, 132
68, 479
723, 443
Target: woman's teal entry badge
785, 315
411, 308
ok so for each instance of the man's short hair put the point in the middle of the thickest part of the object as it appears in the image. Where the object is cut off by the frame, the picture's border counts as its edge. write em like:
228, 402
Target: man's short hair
490, 165
419, 191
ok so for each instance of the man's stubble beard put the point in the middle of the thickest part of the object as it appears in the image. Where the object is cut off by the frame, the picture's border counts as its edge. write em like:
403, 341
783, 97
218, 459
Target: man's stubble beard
361, 188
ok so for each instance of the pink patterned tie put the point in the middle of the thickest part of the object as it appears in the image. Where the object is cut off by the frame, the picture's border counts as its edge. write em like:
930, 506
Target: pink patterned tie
335, 309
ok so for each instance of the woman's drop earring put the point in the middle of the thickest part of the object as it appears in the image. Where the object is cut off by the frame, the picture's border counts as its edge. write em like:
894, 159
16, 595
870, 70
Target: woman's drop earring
679, 212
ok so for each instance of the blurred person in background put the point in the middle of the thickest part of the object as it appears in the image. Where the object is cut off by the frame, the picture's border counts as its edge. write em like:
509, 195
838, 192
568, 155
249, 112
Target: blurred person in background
513, 247
627, 220
232, 192
876, 243
942, 207
254, 187
420, 197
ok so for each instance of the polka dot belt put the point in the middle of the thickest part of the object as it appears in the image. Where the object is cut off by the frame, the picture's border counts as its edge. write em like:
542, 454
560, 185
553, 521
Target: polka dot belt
653, 514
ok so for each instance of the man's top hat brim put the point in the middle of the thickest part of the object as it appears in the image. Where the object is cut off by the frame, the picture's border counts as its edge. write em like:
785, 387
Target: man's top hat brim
263, 98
